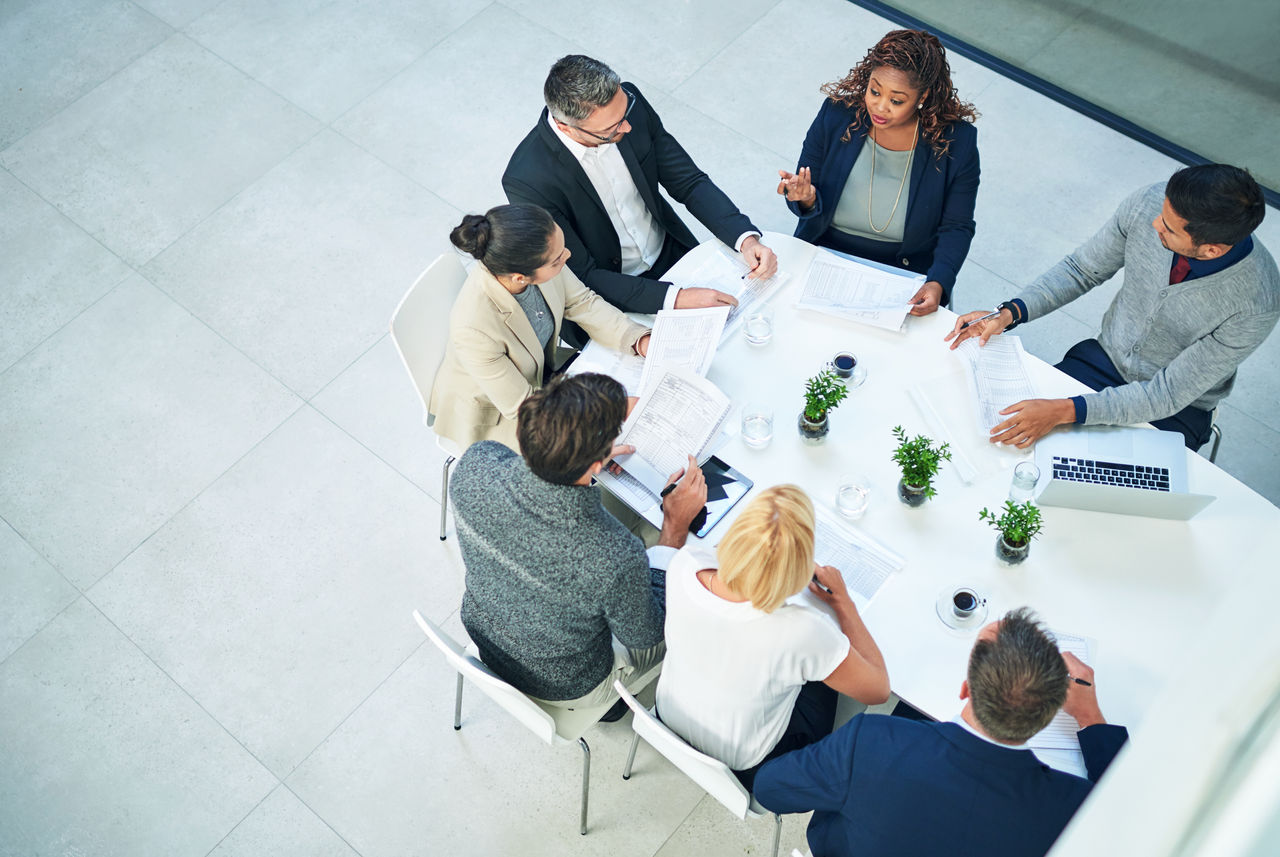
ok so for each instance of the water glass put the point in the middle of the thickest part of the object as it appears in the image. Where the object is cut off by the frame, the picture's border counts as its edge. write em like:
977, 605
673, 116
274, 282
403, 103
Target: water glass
757, 424
757, 324
853, 494
1023, 486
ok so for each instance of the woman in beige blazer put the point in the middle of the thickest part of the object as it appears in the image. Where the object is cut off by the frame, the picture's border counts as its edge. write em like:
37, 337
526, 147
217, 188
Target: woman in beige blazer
495, 357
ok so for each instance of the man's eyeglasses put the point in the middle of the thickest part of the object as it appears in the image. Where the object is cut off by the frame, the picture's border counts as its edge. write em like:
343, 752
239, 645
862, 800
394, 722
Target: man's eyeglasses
608, 135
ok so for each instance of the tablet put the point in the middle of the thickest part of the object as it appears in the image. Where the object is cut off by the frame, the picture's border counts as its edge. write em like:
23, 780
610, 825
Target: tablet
725, 487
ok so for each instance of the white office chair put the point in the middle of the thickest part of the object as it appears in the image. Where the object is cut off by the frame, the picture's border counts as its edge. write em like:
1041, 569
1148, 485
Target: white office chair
555, 726
713, 775
420, 329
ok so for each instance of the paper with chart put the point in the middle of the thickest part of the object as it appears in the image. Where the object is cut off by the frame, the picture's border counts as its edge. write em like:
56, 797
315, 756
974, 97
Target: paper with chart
624, 367
1060, 734
997, 377
726, 271
679, 415
864, 563
683, 339
849, 289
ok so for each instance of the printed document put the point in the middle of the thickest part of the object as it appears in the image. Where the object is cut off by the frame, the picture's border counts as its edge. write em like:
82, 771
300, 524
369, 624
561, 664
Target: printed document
624, 367
864, 563
849, 289
679, 415
1060, 734
726, 271
683, 339
996, 376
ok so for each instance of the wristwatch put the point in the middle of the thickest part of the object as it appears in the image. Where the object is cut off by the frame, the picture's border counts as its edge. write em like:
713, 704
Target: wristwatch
1013, 312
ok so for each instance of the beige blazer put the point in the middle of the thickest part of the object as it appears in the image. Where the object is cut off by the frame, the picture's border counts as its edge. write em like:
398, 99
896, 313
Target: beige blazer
492, 360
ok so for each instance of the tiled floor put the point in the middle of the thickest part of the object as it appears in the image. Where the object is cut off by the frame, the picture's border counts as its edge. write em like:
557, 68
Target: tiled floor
218, 499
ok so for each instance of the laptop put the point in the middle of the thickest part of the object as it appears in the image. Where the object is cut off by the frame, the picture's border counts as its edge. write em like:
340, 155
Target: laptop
1126, 471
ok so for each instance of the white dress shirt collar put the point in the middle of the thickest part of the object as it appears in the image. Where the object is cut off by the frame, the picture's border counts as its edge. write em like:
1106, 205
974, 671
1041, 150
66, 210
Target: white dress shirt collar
959, 718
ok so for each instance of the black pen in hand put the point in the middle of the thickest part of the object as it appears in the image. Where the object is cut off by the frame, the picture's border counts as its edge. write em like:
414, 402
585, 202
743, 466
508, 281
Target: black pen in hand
1080, 681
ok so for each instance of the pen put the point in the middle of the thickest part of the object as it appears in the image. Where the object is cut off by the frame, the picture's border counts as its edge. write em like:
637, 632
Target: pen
1081, 681
984, 318
820, 586
669, 489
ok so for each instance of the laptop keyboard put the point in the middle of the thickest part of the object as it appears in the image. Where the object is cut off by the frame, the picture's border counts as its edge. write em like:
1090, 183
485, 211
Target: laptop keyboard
1110, 473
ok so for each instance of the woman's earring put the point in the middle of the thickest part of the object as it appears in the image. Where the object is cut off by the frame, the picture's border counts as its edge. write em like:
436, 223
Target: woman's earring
920, 105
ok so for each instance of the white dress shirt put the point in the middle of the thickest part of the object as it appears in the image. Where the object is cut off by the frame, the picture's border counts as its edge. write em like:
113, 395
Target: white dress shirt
959, 718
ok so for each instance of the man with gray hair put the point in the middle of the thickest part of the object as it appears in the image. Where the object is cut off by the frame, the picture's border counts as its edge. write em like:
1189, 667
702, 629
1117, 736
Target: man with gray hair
892, 785
595, 161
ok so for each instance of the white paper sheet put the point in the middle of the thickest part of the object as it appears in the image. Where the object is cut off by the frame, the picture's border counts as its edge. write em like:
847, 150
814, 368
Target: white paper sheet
1060, 734
683, 339
848, 289
996, 377
726, 271
625, 368
864, 563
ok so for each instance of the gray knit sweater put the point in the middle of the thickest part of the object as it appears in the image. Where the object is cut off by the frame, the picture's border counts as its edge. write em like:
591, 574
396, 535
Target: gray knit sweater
551, 576
1176, 345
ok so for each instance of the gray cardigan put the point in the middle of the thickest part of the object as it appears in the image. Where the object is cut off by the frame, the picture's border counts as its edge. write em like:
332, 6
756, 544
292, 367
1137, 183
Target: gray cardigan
1176, 345
551, 576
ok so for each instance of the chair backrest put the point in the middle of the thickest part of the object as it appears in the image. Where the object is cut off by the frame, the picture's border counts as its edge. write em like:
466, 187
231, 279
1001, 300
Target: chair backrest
420, 324
515, 703
713, 775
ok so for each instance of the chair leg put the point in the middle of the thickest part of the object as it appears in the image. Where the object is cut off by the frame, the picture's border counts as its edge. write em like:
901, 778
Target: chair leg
586, 783
457, 706
444, 496
631, 757
1217, 440
777, 833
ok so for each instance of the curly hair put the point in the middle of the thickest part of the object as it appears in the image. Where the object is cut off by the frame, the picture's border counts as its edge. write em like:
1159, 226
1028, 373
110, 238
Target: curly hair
921, 57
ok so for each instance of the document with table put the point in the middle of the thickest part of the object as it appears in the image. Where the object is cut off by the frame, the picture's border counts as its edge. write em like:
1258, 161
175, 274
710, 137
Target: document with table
997, 377
727, 272
683, 339
1060, 734
857, 291
679, 415
864, 563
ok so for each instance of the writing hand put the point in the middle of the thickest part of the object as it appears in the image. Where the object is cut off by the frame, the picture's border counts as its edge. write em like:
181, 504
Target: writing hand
982, 329
761, 260
1082, 700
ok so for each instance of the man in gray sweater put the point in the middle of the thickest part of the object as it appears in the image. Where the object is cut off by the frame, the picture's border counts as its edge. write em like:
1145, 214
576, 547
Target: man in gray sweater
560, 596
1199, 295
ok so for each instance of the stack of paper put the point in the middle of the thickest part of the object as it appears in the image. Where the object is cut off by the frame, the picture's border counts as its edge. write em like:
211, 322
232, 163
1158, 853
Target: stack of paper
683, 339
996, 377
859, 291
678, 416
727, 272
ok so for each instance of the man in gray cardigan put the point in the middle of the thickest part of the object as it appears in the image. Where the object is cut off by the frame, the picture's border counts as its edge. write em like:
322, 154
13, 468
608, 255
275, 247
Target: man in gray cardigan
553, 579
1199, 295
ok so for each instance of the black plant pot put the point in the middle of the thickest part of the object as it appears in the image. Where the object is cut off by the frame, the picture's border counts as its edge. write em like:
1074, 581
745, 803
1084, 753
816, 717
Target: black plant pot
813, 432
912, 495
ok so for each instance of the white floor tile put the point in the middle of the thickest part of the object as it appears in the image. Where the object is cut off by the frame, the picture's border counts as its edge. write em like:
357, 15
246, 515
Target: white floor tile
32, 592
117, 421
282, 826
152, 151
302, 271
294, 576
105, 755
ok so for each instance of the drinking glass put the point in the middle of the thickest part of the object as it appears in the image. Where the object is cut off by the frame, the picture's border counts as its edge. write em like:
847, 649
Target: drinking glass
853, 494
757, 324
757, 424
1023, 485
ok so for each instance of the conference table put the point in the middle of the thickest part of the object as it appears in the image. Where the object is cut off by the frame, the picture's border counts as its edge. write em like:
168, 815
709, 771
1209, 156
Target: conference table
1140, 587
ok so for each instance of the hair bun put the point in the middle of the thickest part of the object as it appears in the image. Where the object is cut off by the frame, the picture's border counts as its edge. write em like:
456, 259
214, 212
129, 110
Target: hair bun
472, 235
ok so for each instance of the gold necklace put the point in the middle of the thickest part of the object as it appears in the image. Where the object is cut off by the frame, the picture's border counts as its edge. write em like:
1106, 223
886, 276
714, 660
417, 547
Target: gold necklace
872, 184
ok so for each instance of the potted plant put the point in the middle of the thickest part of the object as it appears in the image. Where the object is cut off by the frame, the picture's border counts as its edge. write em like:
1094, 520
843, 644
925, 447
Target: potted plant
919, 460
822, 393
1017, 527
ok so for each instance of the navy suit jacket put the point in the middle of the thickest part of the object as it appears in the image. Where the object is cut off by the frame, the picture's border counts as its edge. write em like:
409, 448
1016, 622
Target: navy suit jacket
939, 224
882, 785
543, 172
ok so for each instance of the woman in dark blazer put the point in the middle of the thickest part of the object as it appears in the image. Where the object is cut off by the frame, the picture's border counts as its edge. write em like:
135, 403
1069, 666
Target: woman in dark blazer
889, 168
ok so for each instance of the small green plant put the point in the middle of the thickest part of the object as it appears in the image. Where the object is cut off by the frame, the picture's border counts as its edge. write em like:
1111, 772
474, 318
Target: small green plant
1019, 524
919, 460
822, 393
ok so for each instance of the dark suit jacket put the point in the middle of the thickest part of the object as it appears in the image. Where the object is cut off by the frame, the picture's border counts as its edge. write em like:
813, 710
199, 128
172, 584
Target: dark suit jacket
882, 785
939, 225
543, 172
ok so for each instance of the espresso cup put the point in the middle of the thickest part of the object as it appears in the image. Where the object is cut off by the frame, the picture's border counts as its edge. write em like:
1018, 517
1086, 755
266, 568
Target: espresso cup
844, 363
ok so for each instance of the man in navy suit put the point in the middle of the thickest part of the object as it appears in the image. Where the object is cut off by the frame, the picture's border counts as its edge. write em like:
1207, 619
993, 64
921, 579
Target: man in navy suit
884, 785
595, 161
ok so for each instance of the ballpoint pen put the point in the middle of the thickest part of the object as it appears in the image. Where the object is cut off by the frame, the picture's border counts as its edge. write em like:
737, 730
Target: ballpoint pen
984, 318
1080, 681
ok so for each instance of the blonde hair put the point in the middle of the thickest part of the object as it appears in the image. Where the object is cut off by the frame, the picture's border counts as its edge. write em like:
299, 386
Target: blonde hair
767, 555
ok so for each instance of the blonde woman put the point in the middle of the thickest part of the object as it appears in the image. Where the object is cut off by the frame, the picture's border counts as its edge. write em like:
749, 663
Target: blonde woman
749, 676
